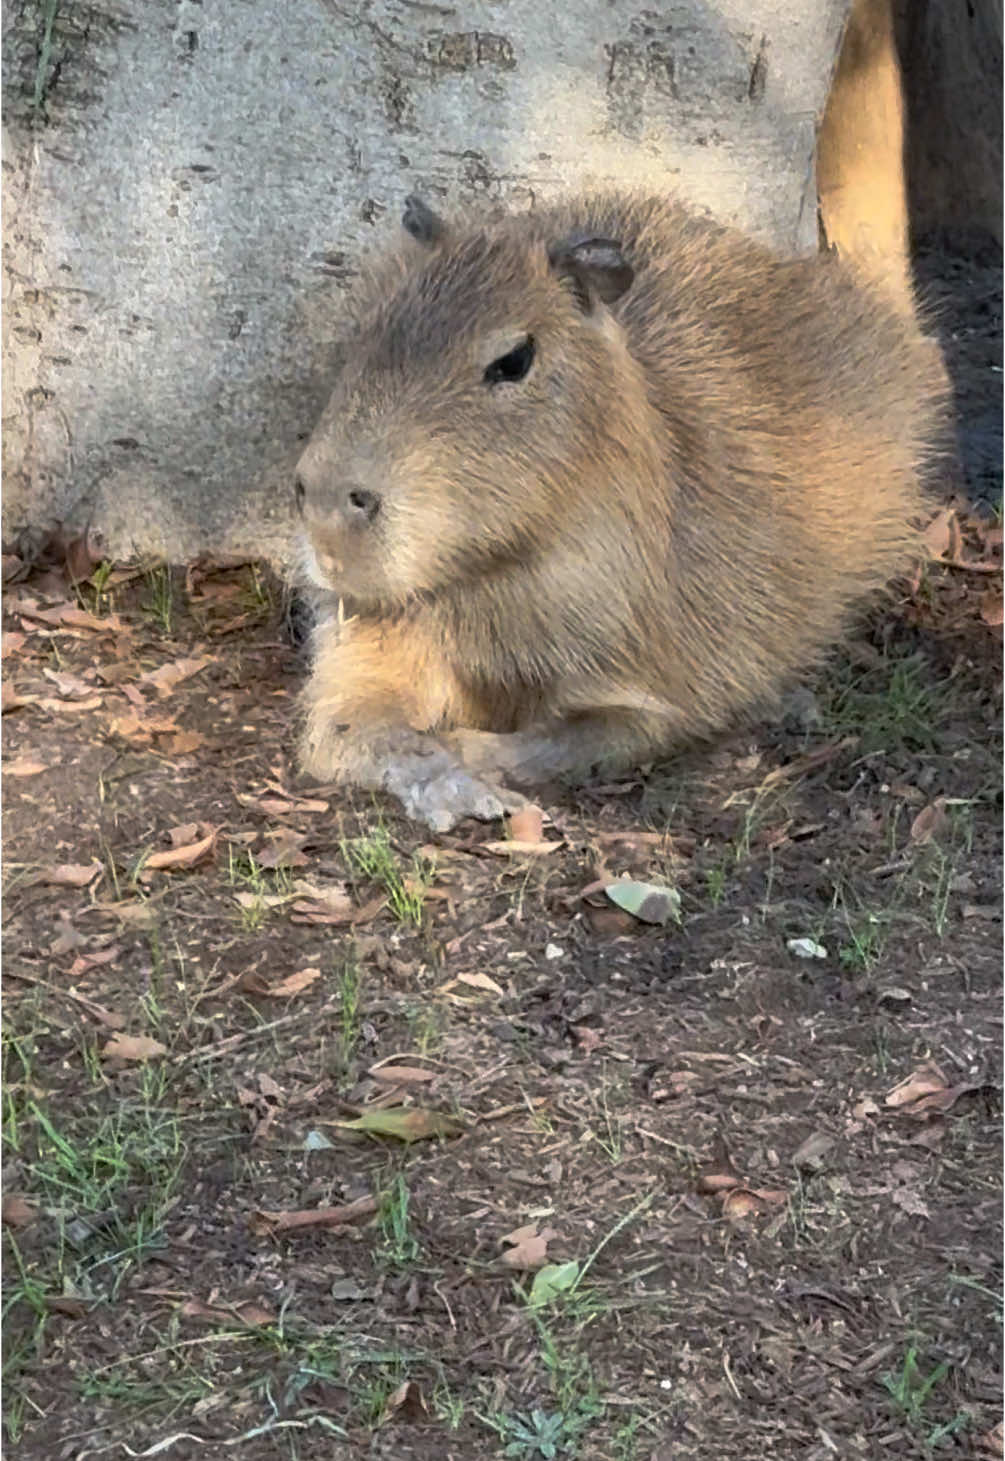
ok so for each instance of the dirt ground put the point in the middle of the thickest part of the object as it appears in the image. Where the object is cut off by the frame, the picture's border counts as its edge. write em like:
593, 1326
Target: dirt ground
325, 1138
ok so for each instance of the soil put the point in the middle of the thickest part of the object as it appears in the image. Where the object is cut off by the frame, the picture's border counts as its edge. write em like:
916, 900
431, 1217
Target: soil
761, 1144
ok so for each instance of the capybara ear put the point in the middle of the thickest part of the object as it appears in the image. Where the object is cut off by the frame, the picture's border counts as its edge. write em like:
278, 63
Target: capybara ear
425, 226
595, 268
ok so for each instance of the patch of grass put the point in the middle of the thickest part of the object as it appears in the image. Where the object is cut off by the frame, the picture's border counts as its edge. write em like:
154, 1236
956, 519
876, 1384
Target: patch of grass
911, 1390
892, 706
159, 603
400, 1244
350, 986
715, 884
257, 885
375, 858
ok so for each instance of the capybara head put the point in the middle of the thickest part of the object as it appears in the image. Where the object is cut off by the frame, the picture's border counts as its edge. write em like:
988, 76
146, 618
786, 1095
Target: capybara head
484, 376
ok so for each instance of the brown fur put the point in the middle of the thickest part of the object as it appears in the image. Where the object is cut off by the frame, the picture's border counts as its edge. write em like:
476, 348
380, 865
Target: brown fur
675, 511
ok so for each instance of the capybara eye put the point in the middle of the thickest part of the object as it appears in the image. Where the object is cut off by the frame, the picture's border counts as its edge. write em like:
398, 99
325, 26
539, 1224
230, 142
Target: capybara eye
512, 366
299, 492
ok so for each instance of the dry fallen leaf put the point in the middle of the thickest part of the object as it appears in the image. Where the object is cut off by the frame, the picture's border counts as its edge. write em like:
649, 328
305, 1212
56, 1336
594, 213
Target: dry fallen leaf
71, 616
168, 676
85, 962
69, 874
24, 766
746, 1202
926, 1080
246, 1313
293, 984
264, 1224
513, 848
186, 855
16, 1212
942, 536
67, 707
11, 641
929, 822
526, 824
992, 608
399, 1075
406, 1404
528, 1248
132, 1047
184, 742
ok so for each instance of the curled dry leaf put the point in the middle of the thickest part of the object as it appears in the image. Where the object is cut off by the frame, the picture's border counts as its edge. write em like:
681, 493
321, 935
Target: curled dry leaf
747, 1202
993, 608
11, 641
132, 1047
528, 1248
929, 822
87, 962
293, 984
406, 1404
250, 1314
69, 874
924, 1081
185, 742
514, 848
283, 849
70, 616
24, 766
526, 824
266, 1223
186, 855
165, 679
400, 1075
67, 707
16, 1212
810, 1153
67, 684
648, 902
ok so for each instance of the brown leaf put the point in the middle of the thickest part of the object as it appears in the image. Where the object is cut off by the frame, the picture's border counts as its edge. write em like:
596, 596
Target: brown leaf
929, 822
67, 939
70, 616
93, 961
526, 824
184, 742
529, 1248
10, 642
132, 1047
264, 1224
926, 1080
184, 856
406, 1404
992, 607
283, 850
67, 707
993, 1441
942, 536
745, 1202
399, 1075
512, 848
67, 684
589, 1040
810, 1153
247, 1313
69, 874
170, 675
24, 766
293, 984
16, 1212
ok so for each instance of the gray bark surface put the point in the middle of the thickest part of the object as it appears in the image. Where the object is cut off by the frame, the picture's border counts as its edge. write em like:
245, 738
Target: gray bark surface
189, 188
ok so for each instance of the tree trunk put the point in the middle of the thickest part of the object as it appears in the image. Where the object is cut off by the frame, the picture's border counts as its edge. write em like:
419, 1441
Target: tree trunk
190, 190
